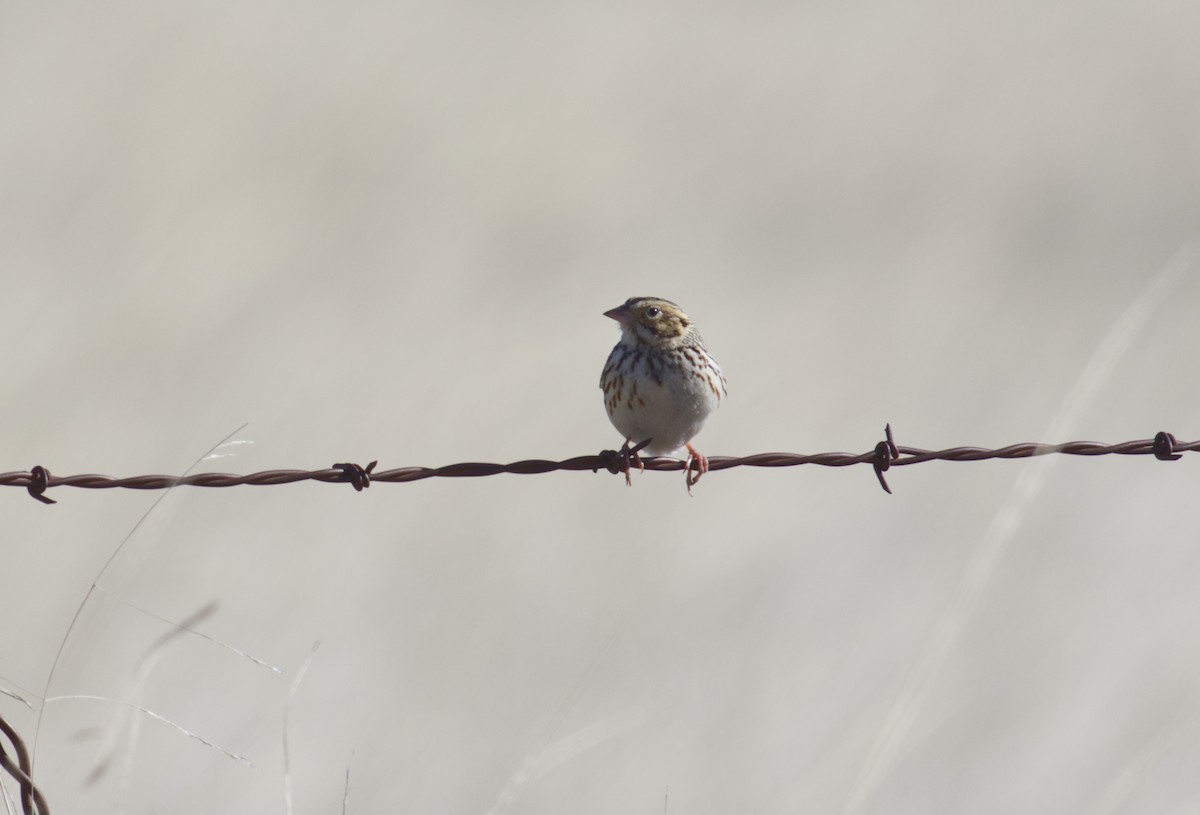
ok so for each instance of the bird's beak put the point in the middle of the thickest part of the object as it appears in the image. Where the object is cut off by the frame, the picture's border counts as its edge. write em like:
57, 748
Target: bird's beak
621, 314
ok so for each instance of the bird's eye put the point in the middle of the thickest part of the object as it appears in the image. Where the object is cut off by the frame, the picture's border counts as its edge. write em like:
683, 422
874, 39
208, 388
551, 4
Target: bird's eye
653, 312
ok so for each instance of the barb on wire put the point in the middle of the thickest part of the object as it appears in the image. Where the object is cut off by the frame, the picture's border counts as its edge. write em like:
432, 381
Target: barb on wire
1164, 447
39, 479
357, 475
885, 455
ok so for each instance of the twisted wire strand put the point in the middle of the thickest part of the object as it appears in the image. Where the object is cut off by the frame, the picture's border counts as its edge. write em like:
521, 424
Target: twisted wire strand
1164, 446
33, 802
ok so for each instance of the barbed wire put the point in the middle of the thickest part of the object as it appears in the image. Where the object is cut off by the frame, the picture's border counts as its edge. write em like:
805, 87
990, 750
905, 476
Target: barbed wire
885, 455
32, 800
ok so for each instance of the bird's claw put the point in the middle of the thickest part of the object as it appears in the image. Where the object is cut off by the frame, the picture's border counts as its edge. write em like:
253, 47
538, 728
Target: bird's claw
630, 455
700, 461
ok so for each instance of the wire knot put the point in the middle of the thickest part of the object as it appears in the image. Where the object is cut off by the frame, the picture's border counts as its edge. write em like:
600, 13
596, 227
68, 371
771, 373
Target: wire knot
39, 481
608, 460
619, 461
357, 475
885, 453
1164, 447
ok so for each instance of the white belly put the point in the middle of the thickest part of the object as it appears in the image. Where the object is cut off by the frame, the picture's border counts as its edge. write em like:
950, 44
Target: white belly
671, 413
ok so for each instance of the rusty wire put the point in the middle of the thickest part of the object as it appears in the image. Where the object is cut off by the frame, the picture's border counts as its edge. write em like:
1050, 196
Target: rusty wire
885, 455
32, 800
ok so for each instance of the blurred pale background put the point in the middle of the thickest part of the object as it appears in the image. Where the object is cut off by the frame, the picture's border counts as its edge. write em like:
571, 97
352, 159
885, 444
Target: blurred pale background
389, 231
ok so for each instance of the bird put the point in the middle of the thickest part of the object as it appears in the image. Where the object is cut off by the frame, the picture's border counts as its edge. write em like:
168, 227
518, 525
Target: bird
660, 383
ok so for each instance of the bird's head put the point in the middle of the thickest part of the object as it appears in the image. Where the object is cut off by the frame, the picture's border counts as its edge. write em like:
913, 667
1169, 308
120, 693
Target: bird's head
654, 322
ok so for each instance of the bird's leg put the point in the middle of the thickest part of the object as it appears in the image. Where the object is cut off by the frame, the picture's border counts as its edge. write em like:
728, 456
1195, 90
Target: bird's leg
629, 455
701, 462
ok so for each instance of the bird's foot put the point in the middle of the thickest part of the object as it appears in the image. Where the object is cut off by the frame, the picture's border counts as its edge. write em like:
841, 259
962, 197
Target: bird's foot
699, 462
629, 455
